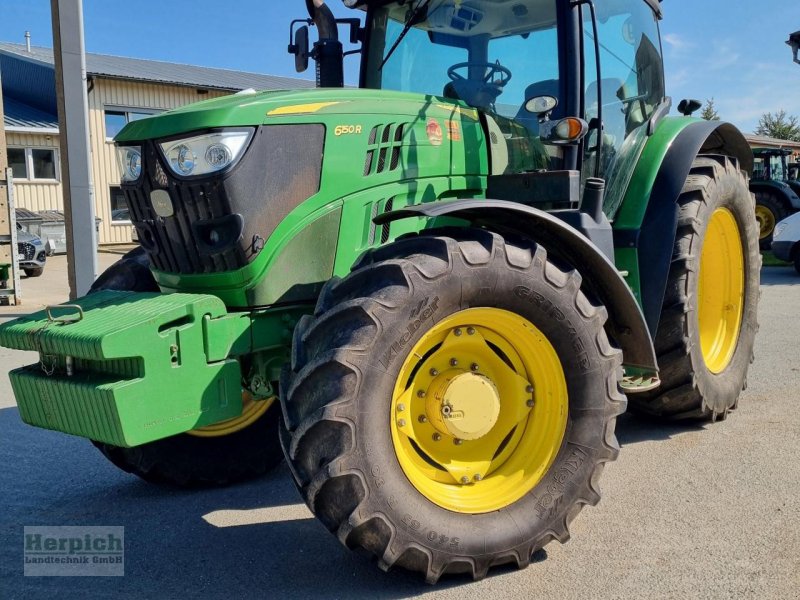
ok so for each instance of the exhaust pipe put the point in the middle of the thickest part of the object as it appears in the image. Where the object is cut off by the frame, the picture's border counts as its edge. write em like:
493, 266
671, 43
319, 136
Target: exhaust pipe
328, 51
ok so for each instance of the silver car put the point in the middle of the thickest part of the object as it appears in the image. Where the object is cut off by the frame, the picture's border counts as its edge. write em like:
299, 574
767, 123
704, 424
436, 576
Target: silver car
32, 252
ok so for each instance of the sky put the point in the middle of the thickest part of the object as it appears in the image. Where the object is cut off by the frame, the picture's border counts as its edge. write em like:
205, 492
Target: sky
732, 51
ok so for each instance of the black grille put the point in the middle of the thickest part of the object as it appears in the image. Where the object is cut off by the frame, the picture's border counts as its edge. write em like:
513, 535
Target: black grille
388, 149
26, 251
220, 223
385, 227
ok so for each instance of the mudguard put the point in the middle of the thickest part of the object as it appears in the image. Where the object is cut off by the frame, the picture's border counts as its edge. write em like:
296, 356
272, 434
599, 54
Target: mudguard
653, 233
626, 324
787, 192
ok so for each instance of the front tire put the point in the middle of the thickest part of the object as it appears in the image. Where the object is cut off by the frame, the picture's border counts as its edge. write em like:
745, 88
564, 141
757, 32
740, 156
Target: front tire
34, 271
222, 454
452, 403
709, 319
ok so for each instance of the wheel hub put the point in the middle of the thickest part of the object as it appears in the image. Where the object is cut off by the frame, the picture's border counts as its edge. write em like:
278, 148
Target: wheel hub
479, 410
766, 221
721, 286
463, 405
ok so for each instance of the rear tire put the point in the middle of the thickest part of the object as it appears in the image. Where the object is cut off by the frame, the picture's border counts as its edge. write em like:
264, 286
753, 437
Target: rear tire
698, 383
188, 460
769, 212
343, 424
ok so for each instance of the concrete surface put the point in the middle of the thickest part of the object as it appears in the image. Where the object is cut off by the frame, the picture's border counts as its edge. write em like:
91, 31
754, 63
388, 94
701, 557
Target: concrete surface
53, 286
688, 512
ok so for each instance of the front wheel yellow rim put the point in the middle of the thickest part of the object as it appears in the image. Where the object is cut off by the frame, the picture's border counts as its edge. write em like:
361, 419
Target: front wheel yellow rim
252, 410
766, 221
479, 410
721, 290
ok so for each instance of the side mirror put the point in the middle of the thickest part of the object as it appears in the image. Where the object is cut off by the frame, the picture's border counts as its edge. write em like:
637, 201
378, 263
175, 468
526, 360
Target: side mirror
541, 105
300, 49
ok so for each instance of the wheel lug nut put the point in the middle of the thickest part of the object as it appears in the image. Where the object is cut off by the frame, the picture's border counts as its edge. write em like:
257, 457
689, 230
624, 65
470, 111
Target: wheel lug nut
453, 362
422, 419
457, 332
470, 331
420, 394
474, 366
477, 477
434, 372
401, 407
437, 437
465, 480
401, 423
458, 442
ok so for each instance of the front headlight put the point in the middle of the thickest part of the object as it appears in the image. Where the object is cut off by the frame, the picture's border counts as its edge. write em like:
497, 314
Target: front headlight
778, 230
205, 154
130, 162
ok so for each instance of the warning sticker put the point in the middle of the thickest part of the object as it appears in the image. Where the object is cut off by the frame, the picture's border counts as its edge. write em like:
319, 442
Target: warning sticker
453, 131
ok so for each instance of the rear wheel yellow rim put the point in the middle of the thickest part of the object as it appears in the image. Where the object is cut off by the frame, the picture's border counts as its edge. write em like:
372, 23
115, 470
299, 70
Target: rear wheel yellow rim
721, 290
766, 221
479, 410
252, 411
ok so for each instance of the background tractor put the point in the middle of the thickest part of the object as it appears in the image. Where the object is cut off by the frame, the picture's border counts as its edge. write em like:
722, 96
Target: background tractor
775, 189
452, 277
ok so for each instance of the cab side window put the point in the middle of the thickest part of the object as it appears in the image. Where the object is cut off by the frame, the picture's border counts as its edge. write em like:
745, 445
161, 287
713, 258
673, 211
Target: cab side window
629, 91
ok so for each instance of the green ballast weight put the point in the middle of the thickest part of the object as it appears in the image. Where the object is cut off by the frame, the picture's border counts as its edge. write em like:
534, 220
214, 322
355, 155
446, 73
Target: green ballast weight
126, 368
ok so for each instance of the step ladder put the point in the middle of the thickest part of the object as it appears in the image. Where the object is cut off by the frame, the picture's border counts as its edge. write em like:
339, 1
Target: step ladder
10, 292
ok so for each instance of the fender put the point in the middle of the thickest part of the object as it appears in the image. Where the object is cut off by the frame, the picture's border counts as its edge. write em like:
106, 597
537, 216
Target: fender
785, 191
652, 231
626, 324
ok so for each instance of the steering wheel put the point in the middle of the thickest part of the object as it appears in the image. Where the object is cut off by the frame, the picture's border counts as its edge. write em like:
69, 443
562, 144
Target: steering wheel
491, 68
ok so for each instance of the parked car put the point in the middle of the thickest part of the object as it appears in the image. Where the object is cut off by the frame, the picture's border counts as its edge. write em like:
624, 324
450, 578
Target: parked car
32, 252
786, 240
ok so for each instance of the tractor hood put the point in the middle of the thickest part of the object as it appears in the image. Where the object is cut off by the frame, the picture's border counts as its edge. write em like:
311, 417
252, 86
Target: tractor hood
252, 109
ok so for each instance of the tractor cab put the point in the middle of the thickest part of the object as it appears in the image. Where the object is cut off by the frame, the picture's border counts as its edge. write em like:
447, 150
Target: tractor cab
771, 164
558, 87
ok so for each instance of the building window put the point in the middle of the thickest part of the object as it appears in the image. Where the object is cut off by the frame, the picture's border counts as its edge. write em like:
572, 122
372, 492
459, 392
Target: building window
44, 163
34, 164
16, 160
119, 207
117, 118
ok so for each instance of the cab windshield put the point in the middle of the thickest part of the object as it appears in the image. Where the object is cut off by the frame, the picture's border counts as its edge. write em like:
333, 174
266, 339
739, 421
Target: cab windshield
770, 166
492, 55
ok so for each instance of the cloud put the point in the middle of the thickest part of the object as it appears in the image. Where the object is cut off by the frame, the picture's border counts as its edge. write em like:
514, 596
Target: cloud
676, 42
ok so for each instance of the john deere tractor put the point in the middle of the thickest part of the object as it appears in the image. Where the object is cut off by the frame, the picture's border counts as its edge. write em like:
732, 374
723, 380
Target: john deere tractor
776, 191
434, 292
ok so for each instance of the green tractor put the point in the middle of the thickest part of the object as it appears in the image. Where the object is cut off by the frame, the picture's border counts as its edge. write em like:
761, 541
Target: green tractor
776, 189
452, 278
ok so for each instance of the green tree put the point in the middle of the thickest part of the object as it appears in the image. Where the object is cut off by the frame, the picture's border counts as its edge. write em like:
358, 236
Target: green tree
710, 111
780, 126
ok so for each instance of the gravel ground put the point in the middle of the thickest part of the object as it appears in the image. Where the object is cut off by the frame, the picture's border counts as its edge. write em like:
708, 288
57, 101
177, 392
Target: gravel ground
688, 511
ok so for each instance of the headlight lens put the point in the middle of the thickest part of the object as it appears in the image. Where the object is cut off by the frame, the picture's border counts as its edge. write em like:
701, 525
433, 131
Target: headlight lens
130, 162
778, 230
205, 154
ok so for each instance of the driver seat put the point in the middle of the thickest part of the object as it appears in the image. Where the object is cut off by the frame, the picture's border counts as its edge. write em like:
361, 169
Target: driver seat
475, 93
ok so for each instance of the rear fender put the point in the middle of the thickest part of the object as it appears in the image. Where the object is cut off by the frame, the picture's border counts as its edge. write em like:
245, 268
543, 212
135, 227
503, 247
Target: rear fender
784, 192
648, 218
626, 324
